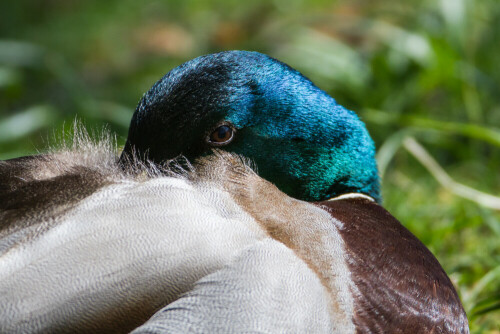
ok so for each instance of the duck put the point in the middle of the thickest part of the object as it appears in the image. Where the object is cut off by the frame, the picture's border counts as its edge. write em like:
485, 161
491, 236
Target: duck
245, 199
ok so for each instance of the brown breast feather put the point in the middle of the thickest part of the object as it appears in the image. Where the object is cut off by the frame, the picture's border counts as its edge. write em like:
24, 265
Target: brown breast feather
402, 288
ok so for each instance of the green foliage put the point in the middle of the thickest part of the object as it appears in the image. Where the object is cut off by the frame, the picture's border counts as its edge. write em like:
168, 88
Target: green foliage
428, 69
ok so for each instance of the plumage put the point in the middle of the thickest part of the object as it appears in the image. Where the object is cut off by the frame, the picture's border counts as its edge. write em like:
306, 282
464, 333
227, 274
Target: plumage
107, 263
298, 136
209, 245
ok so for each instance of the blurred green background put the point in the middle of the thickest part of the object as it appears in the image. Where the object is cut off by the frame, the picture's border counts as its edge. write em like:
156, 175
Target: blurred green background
423, 75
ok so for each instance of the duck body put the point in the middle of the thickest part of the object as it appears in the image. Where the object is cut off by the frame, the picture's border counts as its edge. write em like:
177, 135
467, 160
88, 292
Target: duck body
217, 248
381, 279
106, 264
218, 256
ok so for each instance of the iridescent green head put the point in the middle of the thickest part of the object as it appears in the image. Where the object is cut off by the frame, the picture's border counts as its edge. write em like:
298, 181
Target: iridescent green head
248, 103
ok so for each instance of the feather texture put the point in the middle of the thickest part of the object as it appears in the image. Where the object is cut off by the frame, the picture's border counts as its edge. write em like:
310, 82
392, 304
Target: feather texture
135, 244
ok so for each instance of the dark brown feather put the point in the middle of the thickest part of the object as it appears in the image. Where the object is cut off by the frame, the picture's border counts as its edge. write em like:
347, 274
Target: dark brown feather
402, 288
34, 195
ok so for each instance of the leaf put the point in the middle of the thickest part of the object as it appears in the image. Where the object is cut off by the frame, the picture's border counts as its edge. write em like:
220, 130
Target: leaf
26, 122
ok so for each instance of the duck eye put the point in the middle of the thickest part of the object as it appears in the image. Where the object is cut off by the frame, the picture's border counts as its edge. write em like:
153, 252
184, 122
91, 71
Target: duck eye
222, 135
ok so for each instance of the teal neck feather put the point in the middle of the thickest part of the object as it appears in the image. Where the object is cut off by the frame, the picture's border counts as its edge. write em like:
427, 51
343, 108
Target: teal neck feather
299, 137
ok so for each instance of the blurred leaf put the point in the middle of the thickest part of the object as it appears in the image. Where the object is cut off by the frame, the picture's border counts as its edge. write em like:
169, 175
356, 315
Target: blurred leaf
326, 58
486, 133
9, 77
389, 148
18, 53
109, 111
492, 277
411, 45
487, 305
492, 221
25, 122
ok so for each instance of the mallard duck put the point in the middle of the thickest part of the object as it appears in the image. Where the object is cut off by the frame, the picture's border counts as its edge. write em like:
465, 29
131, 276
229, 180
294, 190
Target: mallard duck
269, 221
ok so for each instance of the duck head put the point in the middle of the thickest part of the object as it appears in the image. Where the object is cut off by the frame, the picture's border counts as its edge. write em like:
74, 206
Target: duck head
248, 103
